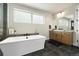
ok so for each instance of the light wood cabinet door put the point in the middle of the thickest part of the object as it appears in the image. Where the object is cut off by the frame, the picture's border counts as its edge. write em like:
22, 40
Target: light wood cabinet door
58, 36
67, 38
54, 35
50, 34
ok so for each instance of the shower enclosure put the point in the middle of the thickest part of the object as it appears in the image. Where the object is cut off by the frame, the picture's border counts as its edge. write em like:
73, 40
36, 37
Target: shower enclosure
3, 21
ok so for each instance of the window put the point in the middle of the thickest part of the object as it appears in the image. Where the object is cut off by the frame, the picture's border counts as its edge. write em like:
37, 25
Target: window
38, 19
22, 16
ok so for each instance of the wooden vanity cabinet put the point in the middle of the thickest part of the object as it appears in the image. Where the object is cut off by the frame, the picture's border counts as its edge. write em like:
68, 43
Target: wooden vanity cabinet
61, 36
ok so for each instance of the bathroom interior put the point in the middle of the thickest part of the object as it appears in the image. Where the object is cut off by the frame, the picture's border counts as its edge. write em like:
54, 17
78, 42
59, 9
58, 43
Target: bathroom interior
39, 29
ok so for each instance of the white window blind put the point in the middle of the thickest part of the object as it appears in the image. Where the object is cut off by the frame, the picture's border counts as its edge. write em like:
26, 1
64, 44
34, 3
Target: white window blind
37, 19
22, 17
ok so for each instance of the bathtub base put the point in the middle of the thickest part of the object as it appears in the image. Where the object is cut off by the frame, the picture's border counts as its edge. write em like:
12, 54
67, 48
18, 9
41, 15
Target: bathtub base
22, 48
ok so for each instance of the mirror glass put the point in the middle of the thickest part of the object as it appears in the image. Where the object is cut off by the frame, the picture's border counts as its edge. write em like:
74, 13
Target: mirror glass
63, 23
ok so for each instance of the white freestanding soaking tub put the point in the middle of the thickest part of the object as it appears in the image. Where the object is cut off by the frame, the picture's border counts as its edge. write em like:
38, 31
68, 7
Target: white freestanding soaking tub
20, 45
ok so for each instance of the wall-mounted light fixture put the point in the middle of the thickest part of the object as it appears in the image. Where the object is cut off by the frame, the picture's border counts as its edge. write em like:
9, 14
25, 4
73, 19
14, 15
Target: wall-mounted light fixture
61, 14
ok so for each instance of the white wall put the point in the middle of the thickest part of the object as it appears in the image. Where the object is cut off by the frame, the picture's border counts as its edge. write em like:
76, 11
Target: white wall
29, 28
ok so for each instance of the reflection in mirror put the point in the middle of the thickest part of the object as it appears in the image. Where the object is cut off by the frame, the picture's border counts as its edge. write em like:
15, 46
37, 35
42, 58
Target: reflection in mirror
63, 23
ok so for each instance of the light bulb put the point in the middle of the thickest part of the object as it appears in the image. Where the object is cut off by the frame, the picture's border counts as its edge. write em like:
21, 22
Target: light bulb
59, 15
62, 13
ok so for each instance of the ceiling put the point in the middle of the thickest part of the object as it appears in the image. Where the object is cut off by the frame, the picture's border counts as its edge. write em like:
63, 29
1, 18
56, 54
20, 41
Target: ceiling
50, 7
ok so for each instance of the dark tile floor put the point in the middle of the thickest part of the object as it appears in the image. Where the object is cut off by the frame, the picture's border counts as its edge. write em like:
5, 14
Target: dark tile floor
56, 50
1, 54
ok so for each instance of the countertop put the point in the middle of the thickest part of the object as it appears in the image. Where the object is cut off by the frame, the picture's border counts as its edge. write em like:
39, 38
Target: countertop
64, 30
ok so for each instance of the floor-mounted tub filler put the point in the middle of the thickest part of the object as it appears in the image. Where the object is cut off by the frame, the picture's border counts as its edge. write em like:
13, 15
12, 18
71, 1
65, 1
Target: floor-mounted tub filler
21, 45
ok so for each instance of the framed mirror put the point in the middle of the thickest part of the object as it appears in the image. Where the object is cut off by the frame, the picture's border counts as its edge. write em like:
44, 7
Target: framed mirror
63, 23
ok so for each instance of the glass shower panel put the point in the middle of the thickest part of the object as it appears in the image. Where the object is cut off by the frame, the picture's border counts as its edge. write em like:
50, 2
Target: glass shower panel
1, 20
